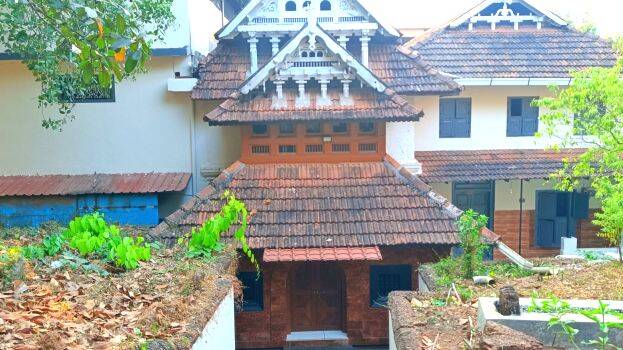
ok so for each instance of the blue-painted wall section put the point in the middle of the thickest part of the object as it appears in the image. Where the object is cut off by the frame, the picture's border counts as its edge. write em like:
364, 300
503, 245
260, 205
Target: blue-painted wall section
129, 209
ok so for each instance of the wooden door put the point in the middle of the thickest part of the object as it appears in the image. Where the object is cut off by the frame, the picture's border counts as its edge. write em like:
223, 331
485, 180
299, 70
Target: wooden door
317, 297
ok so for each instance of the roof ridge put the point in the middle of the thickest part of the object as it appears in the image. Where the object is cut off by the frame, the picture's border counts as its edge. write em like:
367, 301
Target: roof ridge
170, 226
421, 187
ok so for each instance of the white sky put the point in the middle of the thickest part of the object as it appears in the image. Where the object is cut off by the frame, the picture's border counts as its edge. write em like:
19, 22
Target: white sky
605, 14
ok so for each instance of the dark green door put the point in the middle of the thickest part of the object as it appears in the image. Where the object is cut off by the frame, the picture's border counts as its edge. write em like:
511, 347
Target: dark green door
478, 196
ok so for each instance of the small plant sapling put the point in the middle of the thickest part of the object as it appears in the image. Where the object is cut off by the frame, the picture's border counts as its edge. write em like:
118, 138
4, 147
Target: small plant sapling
470, 225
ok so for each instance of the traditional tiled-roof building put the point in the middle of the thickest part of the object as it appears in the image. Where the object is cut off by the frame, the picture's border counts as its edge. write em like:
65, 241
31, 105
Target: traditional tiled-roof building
340, 124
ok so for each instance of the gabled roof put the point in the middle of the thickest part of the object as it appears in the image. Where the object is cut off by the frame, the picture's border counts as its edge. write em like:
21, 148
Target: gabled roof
367, 104
253, 4
224, 70
312, 30
325, 205
537, 9
549, 52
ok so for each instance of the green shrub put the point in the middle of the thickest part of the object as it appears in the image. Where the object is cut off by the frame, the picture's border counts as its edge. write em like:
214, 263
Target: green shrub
470, 225
91, 235
447, 270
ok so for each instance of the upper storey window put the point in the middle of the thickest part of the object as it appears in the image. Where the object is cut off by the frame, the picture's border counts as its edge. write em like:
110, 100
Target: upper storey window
325, 5
522, 118
290, 6
306, 4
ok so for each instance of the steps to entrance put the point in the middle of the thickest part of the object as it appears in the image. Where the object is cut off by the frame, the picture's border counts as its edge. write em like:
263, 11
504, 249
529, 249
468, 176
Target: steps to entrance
316, 339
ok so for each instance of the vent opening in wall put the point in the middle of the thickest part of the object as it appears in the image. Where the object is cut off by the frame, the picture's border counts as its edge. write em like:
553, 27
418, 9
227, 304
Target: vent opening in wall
367, 147
287, 149
290, 6
260, 149
313, 148
345, 147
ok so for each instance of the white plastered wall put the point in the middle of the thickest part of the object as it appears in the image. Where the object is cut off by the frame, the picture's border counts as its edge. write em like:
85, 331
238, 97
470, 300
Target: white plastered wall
488, 125
146, 129
507, 193
217, 147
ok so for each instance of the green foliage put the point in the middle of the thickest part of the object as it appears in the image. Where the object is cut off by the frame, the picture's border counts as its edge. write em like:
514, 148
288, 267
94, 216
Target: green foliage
91, 235
206, 240
504, 269
126, 252
470, 225
601, 315
88, 42
447, 270
593, 107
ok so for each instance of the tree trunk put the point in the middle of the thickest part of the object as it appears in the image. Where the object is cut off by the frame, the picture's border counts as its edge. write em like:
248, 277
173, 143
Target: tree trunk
508, 302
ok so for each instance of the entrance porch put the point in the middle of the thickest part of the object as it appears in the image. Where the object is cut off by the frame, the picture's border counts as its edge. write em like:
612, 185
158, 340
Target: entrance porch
339, 301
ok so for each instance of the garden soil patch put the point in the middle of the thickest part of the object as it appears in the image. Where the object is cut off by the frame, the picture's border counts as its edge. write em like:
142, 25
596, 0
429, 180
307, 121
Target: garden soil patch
170, 298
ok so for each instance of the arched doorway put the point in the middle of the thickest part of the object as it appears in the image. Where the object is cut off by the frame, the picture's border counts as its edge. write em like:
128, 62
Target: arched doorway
317, 297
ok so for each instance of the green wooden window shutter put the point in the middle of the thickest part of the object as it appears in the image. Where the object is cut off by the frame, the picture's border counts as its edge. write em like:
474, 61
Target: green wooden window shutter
522, 118
455, 117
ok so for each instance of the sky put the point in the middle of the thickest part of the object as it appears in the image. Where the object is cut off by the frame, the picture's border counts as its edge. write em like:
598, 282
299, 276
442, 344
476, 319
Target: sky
605, 14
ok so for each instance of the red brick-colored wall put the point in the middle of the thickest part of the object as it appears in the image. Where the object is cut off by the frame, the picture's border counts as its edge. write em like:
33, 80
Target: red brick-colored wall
364, 325
506, 224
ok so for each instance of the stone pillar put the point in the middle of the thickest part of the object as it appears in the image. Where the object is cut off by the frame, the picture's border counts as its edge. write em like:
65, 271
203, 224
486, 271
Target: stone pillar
274, 41
365, 39
323, 88
253, 51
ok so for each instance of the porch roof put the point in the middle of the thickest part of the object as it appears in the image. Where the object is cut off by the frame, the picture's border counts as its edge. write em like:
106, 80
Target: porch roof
325, 205
484, 165
367, 104
322, 254
59, 185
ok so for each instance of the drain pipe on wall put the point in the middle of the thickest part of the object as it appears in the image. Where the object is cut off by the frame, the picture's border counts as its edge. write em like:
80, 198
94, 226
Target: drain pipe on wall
521, 201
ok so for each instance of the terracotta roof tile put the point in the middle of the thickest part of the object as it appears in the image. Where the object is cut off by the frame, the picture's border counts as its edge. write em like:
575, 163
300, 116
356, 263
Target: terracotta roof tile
481, 165
50, 185
327, 205
508, 53
367, 104
224, 70
322, 254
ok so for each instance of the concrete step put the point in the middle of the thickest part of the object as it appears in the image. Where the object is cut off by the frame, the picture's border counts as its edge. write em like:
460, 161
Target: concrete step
317, 340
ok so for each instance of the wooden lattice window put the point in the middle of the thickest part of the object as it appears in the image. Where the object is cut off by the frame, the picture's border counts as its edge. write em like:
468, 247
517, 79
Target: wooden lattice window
287, 149
286, 129
367, 147
340, 128
260, 149
340, 147
259, 129
367, 127
313, 148
314, 128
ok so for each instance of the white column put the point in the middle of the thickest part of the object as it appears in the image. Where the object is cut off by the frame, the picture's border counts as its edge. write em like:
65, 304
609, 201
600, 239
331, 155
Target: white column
342, 39
279, 88
346, 88
324, 87
364, 49
301, 88
274, 41
253, 51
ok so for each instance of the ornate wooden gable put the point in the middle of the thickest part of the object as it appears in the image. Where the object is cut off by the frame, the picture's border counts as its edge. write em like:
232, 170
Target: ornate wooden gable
515, 13
276, 18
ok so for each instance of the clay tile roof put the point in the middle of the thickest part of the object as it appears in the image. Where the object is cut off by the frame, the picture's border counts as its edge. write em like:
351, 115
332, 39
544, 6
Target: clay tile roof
325, 205
508, 53
368, 104
224, 70
482, 165
59, 185
322, 254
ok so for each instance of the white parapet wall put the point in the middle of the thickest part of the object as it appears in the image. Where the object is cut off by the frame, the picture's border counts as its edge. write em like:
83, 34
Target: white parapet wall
219, 333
